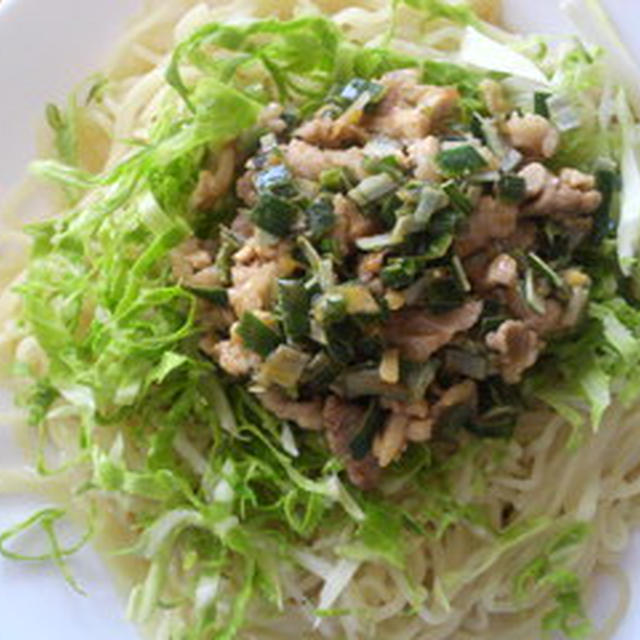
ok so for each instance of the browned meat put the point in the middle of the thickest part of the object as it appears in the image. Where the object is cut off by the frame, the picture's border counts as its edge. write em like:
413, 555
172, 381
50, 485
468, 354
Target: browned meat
322, 131
307, 161
390, 443
369, 265
253, 286
572, 193
245, 189
533, 135
422, 155
502, 272
542, 323
214, 184
307, 415
412, 110
231, 354
518, 346
419, 334
463, 393
491, 220
342, 421
419, 424
350, 223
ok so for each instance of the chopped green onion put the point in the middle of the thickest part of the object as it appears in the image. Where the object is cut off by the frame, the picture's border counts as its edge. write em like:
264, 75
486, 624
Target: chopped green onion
466, 363
512, 188
540, 106
563, 113
498, 422
335, 179
275, 179
607, 184
373, 421
418, 376
400, 273
531, 295
319, 373
375, 243
359, 299
322, 268
228, 246
217, 296
330, 308
321, 217
257, 336
460, 161
493, 139
430, 201
386, 164
458, 199
544, 269
273, 215
284, 367
357, 87
372, 189
511, 160
461, 274
363, 382
294, 303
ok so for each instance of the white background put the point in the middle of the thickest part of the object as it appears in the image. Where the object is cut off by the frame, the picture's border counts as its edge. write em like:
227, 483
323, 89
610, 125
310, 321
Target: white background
46, 47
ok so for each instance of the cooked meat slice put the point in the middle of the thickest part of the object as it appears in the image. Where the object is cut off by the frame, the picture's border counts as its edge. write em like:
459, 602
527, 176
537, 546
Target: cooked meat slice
419, 423
502, 272
532, 134
307, 415
342, 420
422, 155
412, 110
245, 188
350, 223
323, 131
518, 346
493, 96
419, 334
307, 161
491, 220
369, 265
542, 323
463, 393
253, 286
389, 444
231, 355
572, 193
214, 184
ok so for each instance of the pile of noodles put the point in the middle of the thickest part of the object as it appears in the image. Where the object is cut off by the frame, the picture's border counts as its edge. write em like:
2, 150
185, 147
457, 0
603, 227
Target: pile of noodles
468, 580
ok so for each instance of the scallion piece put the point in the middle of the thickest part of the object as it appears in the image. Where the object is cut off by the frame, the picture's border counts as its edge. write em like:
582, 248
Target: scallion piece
322, 268
273, 179
460, 161
330, 308
273, 215
400, 273
294, 303
531, 295
375, 243
319, 373
460, 273
217, 296
607, 184
320, 217
458, 199
284, 367
386, 164
335, 179
545, 270
228, 246
257, 336
563, 113
430, 201
540, 107
373, 421
358, 87
512, 188
372, 189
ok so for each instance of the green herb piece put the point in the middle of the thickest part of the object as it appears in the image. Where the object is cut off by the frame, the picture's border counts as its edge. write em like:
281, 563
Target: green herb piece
284, 367
357, 88
294, 304
387, 164
540, 107
335, 179
321, 217
457, 198
531, 296
217, 296
274, 215
373, 421
430, 201
257, 336
276, 179
399, 273
545, 270
330, 308
607, 182
512, 188
461, 160
372, 189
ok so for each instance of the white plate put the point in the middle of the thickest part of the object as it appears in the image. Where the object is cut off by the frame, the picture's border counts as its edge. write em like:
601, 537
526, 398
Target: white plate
45, 49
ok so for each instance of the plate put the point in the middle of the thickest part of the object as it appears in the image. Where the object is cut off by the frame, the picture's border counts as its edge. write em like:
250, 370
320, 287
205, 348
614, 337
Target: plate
45, 49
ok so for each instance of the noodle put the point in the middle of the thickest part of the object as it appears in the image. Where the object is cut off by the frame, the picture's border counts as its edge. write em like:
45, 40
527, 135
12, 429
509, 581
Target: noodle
467, 578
